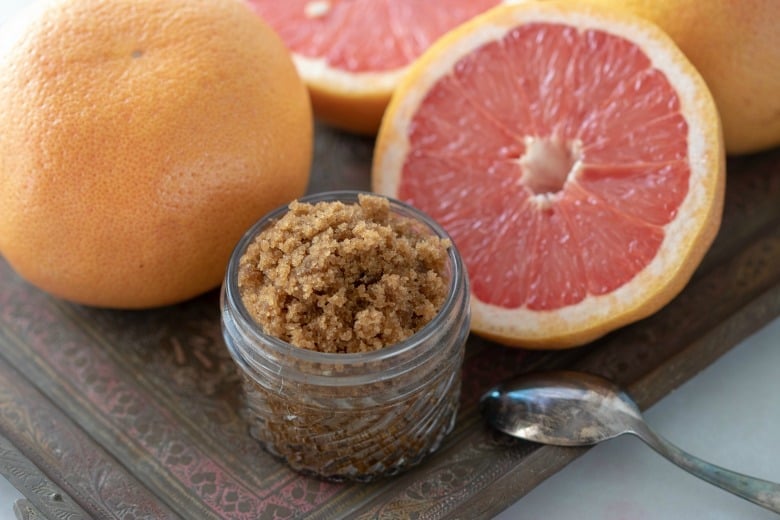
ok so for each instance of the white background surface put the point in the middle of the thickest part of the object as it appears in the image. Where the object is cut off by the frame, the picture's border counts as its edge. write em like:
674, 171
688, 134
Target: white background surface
729, 414
8, 495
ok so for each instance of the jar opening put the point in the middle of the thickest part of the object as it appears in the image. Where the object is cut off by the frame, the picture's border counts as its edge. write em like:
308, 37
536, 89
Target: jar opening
390, 360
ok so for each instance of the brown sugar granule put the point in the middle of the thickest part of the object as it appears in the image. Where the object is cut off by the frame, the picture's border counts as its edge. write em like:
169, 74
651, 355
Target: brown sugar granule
336, 277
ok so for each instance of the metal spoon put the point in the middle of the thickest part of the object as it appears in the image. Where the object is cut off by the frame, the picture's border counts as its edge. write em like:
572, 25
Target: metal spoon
575, 409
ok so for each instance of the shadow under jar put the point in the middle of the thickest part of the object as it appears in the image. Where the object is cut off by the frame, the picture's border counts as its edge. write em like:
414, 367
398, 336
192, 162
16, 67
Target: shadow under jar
351, 416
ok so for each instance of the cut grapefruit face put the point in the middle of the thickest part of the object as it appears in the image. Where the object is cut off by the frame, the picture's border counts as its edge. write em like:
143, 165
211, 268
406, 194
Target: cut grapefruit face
576, 158
352, 53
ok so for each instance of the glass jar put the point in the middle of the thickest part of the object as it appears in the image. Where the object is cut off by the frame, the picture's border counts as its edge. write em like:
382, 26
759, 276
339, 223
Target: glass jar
350, 416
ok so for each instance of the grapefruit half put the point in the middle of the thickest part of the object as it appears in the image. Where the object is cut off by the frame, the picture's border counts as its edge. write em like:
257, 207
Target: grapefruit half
352, 53
576, 158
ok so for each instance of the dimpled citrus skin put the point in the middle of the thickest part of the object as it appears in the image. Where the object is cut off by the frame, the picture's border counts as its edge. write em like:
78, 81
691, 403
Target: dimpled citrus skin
140, 139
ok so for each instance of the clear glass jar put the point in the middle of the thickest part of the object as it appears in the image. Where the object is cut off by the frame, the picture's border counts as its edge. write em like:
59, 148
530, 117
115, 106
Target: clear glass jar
350, 416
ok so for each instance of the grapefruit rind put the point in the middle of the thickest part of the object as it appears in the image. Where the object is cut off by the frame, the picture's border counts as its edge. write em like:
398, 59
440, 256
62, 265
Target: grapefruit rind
352, 101
687, 237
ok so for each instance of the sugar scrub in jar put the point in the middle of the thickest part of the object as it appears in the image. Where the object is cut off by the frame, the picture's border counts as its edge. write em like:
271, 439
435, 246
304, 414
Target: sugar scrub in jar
347, 314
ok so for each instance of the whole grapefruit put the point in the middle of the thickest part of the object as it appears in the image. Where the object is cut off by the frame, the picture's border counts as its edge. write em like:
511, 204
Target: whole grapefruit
138, 140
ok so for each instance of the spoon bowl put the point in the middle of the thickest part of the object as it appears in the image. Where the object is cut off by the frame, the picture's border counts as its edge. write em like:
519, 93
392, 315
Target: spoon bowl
566, 408
560, 408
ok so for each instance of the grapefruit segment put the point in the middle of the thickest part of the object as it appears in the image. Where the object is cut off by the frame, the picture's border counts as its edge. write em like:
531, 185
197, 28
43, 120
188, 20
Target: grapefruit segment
651, 192
612, 245
574, 155
461, 130
556, 278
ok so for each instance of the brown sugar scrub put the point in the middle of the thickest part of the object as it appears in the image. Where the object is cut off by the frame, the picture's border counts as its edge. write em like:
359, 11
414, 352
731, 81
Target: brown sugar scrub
348, 322
336, 277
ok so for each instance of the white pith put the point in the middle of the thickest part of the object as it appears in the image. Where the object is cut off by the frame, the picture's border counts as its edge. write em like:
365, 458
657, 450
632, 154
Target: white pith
318, 73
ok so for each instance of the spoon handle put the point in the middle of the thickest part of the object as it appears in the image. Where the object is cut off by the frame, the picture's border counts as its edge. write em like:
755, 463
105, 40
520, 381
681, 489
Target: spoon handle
761, 492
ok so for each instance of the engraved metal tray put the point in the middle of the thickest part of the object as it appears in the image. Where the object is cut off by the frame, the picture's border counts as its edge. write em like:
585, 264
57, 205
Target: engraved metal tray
117, 414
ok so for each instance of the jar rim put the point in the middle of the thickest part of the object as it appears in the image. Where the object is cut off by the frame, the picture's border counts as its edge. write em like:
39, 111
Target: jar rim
284, 348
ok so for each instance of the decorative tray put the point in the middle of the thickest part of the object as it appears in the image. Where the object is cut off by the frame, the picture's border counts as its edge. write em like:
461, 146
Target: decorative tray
117, 414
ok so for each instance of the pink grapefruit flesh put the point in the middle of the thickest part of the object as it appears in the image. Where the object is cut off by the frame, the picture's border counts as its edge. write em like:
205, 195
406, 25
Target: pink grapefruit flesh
559, 157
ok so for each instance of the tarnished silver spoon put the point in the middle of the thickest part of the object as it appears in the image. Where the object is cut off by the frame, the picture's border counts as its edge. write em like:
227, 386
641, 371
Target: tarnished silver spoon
575, 409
